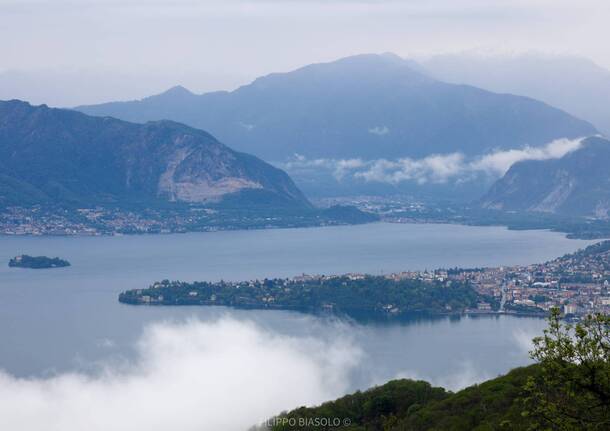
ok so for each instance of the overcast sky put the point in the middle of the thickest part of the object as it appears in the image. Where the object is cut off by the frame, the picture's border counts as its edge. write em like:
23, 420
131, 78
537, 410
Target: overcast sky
94, 50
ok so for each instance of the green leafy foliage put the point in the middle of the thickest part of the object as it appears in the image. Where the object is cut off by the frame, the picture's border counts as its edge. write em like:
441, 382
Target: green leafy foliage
416, 405
572, 392
378, 408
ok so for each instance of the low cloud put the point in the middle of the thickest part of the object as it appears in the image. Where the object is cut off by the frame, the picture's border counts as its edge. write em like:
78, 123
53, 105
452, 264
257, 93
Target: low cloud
247, 126
338, 167
500, 161
379, 130
435, 168
225, 375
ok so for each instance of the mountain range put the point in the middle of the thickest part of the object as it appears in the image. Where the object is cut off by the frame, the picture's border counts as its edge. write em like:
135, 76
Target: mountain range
64, 156
366, 106
576, 184
373, 124
574, 84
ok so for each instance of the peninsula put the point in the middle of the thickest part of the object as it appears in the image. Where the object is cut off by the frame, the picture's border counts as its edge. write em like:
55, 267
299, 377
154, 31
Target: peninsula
359, 296
577, 283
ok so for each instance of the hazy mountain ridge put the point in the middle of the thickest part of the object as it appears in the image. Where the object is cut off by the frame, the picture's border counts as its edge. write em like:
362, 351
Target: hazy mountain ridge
62, 156
576, 184
574, 84
367, 106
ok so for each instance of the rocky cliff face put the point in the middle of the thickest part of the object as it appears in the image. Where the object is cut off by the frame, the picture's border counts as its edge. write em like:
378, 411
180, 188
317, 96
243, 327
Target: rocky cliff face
576, 184
61, 156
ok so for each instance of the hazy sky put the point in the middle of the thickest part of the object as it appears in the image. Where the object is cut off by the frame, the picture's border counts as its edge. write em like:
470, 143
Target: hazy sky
94, 50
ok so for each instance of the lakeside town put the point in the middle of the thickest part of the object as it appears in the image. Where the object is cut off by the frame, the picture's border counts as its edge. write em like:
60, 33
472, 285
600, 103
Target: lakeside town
578, 284
98, 221
40, 221
115, 220
180, 218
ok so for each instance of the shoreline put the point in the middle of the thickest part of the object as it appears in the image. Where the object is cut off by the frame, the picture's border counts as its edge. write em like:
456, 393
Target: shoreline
568, 282
85, 234
362, 318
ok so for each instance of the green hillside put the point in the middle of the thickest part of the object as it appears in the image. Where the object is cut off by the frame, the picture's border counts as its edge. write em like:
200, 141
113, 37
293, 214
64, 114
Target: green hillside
568, 389
416, 405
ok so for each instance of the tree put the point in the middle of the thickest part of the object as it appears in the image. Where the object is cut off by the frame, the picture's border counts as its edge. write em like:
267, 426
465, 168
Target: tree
572, 389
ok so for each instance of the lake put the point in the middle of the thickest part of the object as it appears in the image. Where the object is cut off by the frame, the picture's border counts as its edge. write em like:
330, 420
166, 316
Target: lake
69, 320
55, 319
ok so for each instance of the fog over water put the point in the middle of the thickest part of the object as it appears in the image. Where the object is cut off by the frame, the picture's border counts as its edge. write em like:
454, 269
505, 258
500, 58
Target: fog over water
230, 373
70, 352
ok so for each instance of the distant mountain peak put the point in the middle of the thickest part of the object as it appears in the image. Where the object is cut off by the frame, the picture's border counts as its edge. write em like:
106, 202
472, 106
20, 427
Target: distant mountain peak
370, 65
367, 63
176, 93
178, 90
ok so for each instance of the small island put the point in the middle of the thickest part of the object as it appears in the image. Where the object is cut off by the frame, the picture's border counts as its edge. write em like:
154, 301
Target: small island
37, 262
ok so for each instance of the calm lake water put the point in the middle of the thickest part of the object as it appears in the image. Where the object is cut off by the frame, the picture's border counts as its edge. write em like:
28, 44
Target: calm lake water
69, 318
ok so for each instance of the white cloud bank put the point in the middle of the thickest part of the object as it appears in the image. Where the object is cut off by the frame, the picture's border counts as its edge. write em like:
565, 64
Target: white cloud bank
436, 168
226, 375
500, 161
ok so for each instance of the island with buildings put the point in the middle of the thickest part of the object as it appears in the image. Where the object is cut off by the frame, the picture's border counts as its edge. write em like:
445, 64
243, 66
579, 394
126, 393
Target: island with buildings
577, 283
37, 262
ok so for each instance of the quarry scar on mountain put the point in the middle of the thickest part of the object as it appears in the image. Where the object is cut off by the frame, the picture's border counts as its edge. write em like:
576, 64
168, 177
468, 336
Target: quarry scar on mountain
192, 186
